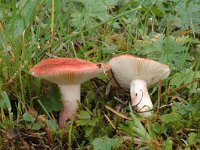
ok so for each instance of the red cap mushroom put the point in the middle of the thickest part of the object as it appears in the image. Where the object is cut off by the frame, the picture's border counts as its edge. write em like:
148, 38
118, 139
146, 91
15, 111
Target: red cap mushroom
136, 74
68, 74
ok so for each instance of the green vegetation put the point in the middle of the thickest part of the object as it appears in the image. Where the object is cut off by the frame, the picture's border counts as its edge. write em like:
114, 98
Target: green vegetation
97, 30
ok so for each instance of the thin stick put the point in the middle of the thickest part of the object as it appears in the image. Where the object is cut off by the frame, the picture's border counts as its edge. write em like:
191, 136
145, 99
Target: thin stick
168, 105
186, 130
159, 96
180, 87
52, 20
44, 109
117, 113
15, 75
115, 80
114, 127
113, 77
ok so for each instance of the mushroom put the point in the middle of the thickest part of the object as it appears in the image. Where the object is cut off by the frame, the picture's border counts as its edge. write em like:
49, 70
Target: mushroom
68, 74
136, 74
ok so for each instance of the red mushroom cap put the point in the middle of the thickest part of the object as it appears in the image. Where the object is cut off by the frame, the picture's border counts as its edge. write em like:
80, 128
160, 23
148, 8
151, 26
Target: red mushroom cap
67, 70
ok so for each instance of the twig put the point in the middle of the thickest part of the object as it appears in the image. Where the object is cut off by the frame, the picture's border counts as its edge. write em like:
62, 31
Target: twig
159, 96
168, 105
87, 109
15, 75
52, 20
97, 89
114, 127
186, 130
117, 113
136, 140
180, 87
115, 80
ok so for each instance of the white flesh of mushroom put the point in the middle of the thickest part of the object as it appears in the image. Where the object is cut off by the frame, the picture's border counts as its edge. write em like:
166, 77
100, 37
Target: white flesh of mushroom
136, 73
70, 95
140, 98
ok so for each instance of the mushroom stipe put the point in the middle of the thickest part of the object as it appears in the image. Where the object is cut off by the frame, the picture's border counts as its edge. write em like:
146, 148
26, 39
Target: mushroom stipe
136, 74
68, 74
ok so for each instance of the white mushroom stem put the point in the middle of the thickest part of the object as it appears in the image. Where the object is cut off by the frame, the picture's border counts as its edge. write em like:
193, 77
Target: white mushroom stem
70, 95
140, 97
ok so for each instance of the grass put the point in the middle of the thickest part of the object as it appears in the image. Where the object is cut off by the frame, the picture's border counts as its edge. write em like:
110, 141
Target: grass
165, 31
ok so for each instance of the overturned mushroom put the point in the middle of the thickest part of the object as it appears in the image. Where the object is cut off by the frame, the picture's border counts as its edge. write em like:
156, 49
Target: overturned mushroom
68, 74
136, 74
